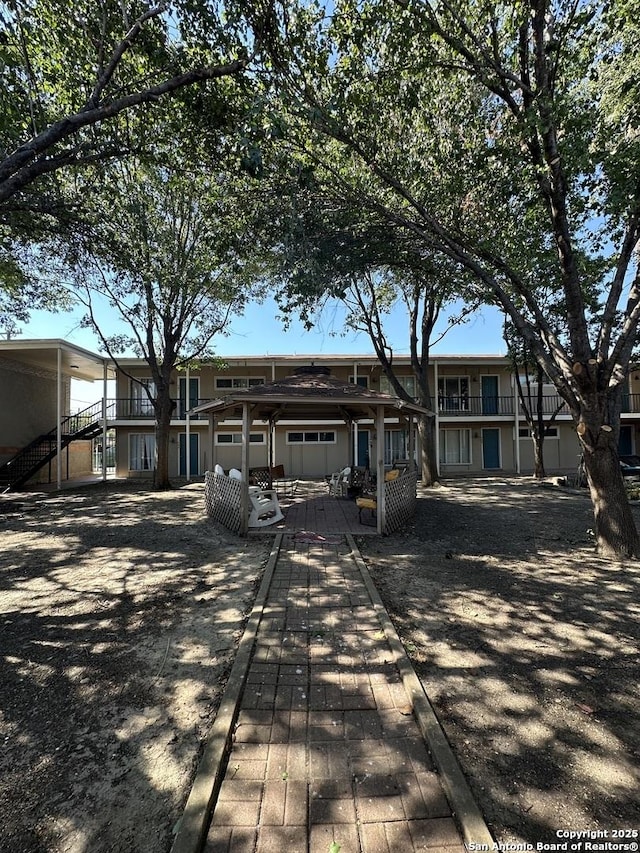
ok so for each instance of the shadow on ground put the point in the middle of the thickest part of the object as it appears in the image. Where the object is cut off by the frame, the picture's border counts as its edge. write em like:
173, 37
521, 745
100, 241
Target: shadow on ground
120, 611
528, 646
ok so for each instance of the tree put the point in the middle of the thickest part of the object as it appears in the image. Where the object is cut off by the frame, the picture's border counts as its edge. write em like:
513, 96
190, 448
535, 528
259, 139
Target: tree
493, 133
170, 264
334, 250
79, 83
81, 86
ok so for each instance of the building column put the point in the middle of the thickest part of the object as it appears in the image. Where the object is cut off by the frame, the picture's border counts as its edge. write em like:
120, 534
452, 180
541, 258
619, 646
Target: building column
59, 420
437, 418
104, 420
187, 429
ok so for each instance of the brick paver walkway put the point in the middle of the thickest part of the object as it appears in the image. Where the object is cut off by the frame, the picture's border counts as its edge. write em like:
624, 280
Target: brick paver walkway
326, 749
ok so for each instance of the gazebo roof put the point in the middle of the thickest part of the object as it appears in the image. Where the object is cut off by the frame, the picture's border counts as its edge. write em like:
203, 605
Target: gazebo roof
312, 394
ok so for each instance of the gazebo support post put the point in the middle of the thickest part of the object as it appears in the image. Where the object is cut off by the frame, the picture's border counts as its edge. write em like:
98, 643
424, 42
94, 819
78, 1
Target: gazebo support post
380, 468
244, 493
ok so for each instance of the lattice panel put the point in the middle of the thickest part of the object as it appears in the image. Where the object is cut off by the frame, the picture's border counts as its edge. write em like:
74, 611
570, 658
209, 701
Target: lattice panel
400, 501
223, 500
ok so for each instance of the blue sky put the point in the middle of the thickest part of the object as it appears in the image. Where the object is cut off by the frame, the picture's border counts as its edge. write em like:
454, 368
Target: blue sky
259, 332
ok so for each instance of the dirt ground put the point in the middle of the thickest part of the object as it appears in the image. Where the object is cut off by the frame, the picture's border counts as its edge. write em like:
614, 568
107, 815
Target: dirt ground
528, 647
120, 613
121, 609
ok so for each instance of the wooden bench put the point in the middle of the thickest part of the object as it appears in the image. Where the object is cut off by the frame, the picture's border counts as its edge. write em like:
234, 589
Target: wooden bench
370, 502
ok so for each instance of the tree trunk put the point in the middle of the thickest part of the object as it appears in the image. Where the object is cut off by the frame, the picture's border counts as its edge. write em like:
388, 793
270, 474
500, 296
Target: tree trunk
538, 456
427, 450
164, 408
615, 529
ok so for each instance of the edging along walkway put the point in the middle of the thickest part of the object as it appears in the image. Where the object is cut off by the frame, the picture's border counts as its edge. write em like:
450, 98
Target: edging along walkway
325, 740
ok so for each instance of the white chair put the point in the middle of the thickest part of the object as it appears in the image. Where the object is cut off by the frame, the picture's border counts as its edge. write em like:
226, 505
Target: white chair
264, 508
339, 482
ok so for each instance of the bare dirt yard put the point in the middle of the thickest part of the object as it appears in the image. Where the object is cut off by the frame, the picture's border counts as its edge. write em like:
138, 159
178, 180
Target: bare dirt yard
120, 613
528, 647
121, 609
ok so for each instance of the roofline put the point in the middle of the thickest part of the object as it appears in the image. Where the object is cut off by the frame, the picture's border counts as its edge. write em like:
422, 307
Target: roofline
347, 401
51, 343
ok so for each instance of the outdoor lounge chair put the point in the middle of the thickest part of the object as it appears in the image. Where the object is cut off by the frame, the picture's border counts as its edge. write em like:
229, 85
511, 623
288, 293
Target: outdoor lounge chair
370, 502
264, 508
339, 482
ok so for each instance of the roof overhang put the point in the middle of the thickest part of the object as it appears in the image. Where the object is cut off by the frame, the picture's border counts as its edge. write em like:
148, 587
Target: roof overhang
41, 354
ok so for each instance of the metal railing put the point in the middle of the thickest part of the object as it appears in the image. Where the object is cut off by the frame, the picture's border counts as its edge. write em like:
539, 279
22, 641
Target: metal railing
135, 408
491, 406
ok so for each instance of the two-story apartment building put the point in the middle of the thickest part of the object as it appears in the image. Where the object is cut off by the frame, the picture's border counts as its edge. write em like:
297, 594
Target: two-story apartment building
480, 424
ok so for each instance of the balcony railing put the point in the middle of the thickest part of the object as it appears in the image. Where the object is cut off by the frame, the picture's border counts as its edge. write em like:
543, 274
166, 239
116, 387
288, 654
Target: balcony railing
489, 406
128, 409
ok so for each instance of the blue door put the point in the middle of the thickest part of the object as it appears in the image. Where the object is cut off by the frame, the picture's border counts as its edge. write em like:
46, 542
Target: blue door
363, 448
490, 448
490, 395
192, 400
193, 454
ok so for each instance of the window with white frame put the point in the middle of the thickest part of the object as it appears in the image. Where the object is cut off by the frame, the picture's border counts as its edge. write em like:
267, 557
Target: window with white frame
312, 437
362, 381
407, 382
142, 451
236, 438
527, 432
453, 393
455, 446
141, 390
232, 382
396, 445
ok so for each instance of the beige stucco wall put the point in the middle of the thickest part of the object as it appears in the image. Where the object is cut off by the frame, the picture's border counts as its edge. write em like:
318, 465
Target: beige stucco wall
29, 407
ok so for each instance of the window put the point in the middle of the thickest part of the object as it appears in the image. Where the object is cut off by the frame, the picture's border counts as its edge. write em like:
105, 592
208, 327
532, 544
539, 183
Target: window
407, 382
231, 382
140, 392
142, 451
526, 432
311, 437
455, 446
362, 381
453, 393
236, 438
396, 445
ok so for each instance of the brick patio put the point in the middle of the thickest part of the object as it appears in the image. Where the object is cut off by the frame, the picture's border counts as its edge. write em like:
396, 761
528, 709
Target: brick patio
326, 746
311, 507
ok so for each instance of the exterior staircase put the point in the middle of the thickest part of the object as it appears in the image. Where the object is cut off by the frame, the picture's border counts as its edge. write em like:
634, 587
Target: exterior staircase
19, 470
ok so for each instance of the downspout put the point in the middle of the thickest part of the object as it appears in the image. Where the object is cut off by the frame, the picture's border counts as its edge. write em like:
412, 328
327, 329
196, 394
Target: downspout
59, 421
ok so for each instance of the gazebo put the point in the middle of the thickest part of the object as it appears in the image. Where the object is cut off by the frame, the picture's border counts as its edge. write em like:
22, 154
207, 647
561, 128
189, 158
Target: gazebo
311, 394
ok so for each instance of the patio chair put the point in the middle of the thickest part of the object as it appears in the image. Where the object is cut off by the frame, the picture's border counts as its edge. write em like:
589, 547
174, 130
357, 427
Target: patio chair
339, 482
264, 508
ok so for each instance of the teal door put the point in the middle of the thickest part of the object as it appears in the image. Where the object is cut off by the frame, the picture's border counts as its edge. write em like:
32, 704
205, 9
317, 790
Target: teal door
187, 403
490, 448
490, 395
193, 454
363, 448
625, 442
